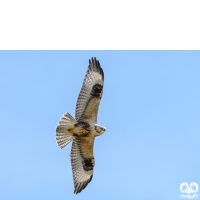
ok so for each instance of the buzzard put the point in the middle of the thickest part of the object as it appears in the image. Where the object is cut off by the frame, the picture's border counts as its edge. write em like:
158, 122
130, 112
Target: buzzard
84, 128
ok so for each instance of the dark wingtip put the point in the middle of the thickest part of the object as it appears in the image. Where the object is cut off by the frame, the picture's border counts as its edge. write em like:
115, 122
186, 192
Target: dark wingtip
93, 61
79, 189
95, 65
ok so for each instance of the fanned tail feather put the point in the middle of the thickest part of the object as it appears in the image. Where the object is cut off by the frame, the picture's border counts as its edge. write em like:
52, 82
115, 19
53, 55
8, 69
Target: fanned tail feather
63, 135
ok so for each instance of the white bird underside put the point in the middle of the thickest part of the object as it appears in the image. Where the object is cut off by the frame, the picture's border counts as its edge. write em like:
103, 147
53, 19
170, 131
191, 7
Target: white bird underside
84, 128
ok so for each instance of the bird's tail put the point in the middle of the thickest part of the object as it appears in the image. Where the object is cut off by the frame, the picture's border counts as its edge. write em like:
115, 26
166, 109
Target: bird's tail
64, 134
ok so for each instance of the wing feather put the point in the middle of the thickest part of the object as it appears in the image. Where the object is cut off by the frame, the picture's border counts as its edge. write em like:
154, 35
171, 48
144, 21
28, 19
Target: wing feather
82, 162
91, 92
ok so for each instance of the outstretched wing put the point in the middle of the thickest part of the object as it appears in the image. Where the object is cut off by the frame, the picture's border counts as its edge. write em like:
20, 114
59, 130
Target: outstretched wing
91, 92
82, 162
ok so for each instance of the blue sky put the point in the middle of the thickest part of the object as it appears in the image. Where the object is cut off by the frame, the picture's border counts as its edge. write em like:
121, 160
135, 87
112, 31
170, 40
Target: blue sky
150, 108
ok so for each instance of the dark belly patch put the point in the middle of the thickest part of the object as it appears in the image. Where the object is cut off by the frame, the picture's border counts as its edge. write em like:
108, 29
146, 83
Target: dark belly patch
85, 128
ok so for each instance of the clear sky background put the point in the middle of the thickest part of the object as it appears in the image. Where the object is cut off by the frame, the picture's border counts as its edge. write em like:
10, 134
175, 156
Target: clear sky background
150, 107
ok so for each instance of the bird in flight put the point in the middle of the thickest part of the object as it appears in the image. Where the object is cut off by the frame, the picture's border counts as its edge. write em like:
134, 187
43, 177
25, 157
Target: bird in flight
84, 128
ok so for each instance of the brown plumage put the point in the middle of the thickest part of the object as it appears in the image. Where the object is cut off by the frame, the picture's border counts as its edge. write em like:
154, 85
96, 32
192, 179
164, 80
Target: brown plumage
84, 128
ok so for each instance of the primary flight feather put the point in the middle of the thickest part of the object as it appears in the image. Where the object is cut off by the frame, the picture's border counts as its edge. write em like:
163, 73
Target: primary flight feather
84, 128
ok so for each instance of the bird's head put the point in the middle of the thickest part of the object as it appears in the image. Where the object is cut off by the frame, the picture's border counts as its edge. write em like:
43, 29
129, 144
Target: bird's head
99, 129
